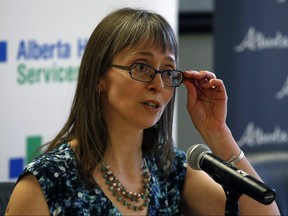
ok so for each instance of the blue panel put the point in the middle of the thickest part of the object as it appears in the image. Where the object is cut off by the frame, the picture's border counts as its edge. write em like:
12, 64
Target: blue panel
15, 167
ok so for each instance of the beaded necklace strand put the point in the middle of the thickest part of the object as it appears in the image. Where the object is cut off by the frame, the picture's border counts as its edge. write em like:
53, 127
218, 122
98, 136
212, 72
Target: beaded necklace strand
119, 191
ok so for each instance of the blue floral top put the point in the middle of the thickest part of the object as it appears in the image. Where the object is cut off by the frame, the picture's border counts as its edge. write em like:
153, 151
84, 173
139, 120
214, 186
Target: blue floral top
66, 194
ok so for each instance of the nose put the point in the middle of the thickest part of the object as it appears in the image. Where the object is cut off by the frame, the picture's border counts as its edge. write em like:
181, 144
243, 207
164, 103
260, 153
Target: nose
157, 83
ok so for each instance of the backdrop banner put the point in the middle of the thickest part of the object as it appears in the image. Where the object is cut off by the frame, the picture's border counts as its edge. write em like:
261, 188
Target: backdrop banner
251, 56
41, 46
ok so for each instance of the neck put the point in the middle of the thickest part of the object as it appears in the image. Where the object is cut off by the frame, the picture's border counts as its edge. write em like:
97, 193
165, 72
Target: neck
123, 149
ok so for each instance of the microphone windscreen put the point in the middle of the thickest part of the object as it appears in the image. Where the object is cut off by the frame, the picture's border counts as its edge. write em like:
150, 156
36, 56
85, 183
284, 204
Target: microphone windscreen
194, 155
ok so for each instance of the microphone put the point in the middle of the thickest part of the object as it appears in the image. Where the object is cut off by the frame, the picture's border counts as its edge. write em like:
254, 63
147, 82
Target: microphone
199, 157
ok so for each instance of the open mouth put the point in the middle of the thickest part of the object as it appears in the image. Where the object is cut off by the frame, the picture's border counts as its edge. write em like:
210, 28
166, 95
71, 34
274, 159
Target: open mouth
152, 105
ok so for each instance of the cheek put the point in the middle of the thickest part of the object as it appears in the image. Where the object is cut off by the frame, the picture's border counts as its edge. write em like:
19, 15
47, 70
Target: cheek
168, 95
114, 85
120, 91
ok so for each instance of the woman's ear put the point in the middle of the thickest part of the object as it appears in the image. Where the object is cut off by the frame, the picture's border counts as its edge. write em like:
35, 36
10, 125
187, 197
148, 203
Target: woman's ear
100, 86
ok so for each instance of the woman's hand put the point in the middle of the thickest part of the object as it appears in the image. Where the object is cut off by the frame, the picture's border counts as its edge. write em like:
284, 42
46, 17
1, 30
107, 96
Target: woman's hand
207, 100
207, 106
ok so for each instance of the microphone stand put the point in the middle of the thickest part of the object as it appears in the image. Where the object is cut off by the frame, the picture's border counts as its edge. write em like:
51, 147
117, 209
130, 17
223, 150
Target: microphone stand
231, 207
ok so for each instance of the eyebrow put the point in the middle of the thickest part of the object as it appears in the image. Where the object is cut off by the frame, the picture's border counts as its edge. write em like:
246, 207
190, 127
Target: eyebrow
146, 53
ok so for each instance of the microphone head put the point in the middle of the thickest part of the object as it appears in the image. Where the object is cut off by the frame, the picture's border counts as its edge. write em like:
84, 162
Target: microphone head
195, 154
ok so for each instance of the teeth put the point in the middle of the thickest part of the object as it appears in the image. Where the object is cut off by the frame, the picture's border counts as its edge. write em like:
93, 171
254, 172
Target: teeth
152, 104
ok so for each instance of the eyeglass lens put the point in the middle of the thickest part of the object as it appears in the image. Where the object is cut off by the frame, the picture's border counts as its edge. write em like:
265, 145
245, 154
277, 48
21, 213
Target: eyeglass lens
146, 73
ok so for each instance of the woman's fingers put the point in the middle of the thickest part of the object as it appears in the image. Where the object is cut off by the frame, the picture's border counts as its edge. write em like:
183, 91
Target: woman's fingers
202, 79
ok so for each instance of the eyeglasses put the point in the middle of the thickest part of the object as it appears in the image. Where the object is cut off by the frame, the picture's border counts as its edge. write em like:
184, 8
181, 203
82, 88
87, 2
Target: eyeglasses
145, 73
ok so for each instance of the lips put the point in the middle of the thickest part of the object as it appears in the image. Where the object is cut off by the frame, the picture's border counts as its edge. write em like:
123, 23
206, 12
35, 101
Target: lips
152, 104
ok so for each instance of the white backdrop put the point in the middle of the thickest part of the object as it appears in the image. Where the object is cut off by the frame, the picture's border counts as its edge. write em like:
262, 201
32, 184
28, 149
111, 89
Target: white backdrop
41, 45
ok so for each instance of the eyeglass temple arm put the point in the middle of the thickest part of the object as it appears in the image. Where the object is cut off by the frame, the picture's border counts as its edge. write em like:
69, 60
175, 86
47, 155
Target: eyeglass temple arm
121, 67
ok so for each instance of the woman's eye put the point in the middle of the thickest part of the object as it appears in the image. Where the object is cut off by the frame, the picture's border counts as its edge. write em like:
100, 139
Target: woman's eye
169, 74
141, 67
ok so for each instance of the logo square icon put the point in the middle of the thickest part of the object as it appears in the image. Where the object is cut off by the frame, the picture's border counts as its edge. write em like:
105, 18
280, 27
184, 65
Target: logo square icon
3, 51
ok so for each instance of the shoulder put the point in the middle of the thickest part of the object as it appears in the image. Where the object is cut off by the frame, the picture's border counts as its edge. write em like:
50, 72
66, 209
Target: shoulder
51, 167
27, 198
58, 158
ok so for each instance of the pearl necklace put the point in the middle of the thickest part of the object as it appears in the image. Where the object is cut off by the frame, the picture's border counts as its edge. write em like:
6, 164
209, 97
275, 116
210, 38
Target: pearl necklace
120, 192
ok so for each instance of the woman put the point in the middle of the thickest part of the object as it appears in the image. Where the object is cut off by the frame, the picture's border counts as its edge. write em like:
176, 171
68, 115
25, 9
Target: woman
115, 153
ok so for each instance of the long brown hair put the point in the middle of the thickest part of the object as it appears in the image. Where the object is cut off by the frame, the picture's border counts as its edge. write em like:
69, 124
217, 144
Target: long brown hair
123, 28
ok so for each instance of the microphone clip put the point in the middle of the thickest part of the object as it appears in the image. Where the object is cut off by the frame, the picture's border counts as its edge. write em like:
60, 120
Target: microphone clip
232, 196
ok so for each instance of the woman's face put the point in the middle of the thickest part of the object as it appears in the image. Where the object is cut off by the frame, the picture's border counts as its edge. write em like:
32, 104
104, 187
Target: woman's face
130, 103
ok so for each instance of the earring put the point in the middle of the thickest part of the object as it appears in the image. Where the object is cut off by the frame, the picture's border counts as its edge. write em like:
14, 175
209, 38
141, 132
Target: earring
99, 93
155, 126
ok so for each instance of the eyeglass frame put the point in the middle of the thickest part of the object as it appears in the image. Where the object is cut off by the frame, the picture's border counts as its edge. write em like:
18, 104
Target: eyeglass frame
129, 68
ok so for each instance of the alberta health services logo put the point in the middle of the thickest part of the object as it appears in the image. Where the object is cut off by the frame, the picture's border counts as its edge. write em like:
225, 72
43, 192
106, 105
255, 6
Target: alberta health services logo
45, 62
48, 62
16, 165
40, 63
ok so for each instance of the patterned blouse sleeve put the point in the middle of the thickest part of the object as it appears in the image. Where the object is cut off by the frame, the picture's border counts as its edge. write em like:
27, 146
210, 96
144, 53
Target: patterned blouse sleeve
49, 173
179, 167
